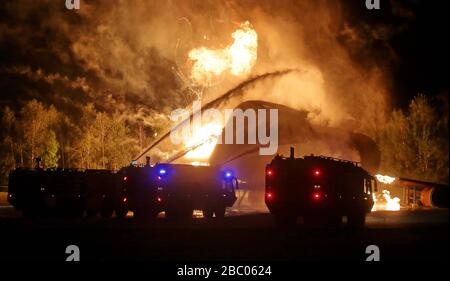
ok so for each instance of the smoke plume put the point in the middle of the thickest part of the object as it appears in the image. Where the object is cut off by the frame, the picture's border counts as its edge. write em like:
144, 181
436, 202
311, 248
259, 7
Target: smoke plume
132, 56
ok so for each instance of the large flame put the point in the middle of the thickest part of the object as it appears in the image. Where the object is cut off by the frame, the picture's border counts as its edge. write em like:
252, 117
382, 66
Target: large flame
237, 58
392, 204
389, 203
385, 179
203, 141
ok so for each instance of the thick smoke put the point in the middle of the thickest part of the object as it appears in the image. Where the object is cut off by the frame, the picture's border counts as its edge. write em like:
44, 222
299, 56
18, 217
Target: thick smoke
131, 56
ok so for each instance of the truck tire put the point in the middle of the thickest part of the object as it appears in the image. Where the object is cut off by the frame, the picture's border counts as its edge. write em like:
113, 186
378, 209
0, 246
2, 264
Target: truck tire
285, 220
357, 219
186, 214
76, 213
333, 220
91, 213
171, 214
179, 214
121, 213
208, 213
145, 214
139, 214
106, 213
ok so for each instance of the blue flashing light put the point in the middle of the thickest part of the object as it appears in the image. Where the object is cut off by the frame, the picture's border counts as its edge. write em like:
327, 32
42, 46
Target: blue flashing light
162, 172
228, 174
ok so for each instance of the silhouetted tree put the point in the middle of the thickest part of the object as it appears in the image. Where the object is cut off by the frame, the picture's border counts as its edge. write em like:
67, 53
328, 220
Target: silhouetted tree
50, 155
36, 124
7, 145
415, 143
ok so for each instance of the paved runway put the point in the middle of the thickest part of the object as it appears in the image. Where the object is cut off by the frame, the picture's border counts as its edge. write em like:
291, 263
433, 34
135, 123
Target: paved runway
244, 235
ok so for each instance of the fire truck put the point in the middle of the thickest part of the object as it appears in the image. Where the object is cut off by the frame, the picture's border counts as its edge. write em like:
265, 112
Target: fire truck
66, 192
178, 189
175, 189
321, 190
139, 185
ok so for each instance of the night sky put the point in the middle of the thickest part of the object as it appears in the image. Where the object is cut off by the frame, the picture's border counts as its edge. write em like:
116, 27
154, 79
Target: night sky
43, 51
421, 48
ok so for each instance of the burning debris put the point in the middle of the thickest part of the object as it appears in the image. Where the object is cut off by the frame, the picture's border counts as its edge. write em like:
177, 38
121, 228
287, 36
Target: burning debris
392, 204
383, 200
414, 193
237, 58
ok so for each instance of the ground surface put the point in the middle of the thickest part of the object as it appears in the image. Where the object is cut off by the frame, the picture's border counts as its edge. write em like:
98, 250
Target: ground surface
244, 235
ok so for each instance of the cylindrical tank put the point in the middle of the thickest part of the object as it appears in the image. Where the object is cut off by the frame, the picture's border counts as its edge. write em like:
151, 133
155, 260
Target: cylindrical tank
434, 197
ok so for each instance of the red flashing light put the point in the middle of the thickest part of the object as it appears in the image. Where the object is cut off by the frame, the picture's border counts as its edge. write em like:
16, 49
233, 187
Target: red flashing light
159, 199
125, 178
269, 172
316, 196
317, 172
125, 200
269, 195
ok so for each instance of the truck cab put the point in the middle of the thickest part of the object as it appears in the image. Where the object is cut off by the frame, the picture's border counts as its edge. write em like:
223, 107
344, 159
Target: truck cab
183, 188
319, 189
178, 189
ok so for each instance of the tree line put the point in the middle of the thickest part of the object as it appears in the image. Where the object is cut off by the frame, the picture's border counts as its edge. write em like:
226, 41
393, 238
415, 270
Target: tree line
413, 142
97, 140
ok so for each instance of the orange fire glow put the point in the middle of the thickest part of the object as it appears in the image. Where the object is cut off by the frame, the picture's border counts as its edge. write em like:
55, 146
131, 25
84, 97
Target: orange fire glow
203, 141
387, 203
237, 58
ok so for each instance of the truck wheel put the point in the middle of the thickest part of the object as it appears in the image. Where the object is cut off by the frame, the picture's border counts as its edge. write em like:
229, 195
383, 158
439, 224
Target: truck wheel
285, 220
357, 219
106, 213
137, 214
220, 212
186, 214
178, 214
91, 213
77, 213
121, 213
170, 214
208, 213
334, 220
144, 214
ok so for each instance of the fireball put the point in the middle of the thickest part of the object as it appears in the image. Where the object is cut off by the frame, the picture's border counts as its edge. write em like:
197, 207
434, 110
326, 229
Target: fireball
238, 58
